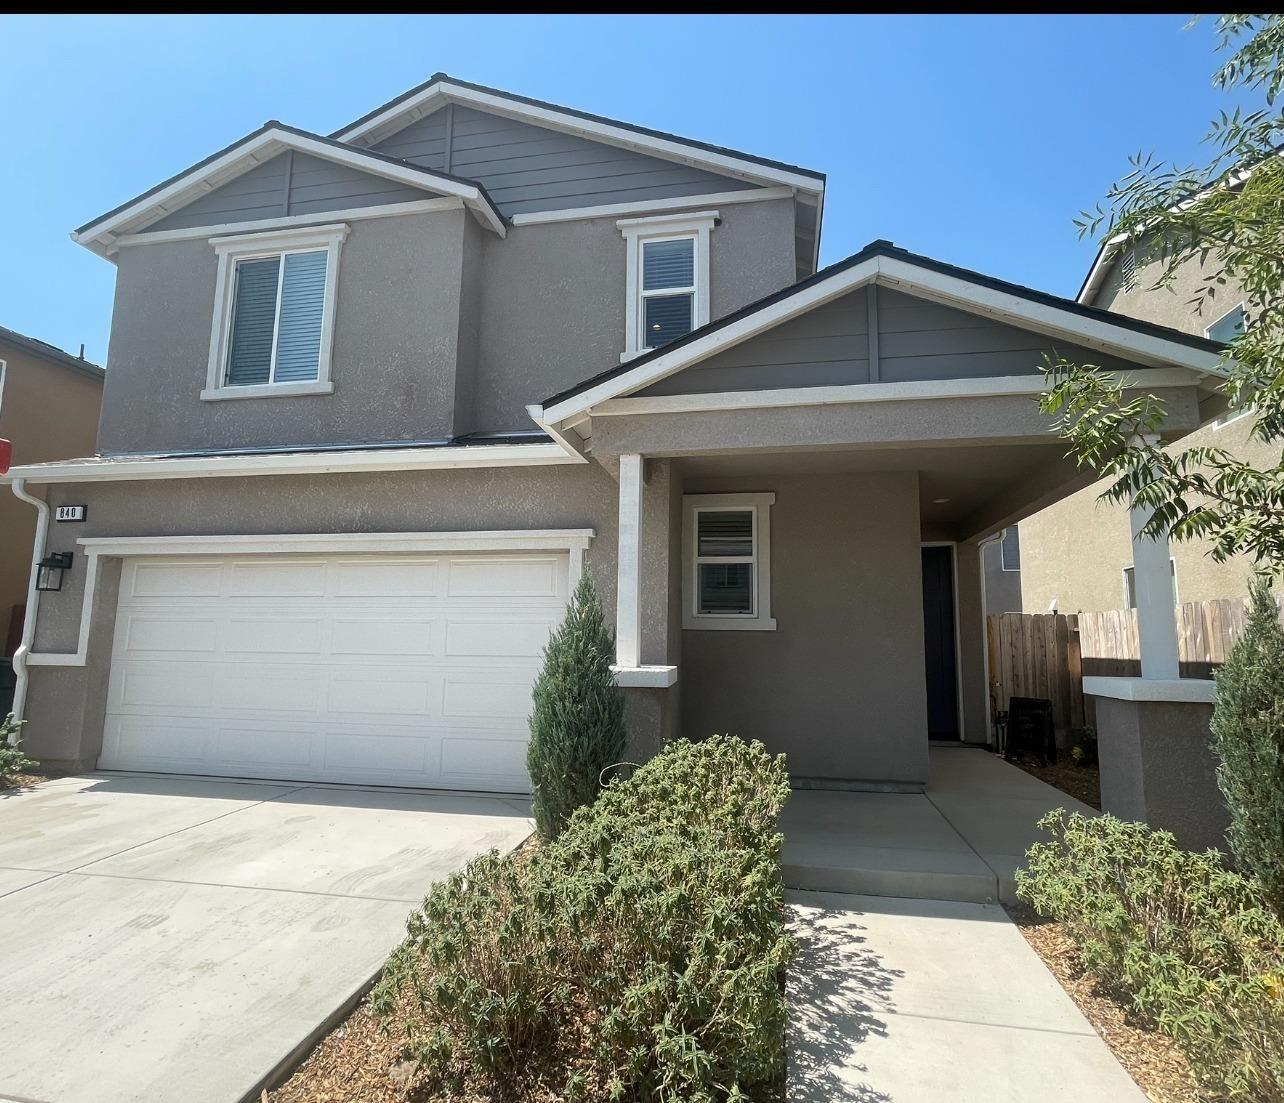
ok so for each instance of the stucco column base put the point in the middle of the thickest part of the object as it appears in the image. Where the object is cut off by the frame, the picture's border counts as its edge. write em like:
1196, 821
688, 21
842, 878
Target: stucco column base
649, 716
1157, 766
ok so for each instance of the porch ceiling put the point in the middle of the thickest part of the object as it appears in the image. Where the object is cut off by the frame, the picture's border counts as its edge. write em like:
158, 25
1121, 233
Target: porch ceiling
984, 486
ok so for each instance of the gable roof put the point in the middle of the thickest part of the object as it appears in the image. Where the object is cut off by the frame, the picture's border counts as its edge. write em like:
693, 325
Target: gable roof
883, 262
267, 141
442, 88
49, 352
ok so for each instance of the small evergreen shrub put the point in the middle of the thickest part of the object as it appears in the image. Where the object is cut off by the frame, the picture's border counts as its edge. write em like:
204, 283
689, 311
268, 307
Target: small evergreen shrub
577, 720
1248, 738
1194, 945
639, 956
1083, 746
12, 761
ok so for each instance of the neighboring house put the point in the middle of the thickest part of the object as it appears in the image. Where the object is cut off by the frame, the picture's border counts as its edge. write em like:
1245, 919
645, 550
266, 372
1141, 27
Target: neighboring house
1078, 553
1001, 566
375, 397
49, 403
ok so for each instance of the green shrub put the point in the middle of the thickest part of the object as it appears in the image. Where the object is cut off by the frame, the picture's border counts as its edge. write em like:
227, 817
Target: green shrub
640, 956
1195, 945
1248, 738
577, 722
1083, 746
12, 760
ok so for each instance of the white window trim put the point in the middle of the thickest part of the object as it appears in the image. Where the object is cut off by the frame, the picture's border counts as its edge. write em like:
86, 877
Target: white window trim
638, 231
1003, 559
238, 247
1172, 569
1229, 417
760, 620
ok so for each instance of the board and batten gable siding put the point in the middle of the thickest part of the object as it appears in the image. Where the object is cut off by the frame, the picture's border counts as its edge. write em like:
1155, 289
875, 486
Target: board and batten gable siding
916, 340
315, 186
530, 168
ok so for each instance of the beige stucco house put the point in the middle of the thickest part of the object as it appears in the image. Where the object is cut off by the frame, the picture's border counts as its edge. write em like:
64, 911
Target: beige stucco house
49, 404
1077, 554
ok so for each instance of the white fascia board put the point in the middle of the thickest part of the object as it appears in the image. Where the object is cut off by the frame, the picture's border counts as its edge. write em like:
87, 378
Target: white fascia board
314, 543
648, 206
925, 283
670, 150
916, 390
309, 463
353, 214
97, 236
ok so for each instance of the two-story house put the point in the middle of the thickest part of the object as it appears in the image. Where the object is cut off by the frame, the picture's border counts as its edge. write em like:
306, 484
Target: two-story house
375, 398
1078, 555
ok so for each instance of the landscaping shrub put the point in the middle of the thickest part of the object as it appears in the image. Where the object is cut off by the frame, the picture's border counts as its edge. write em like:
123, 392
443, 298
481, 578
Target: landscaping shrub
12, 760
640, 956
577, 722
1248, 738
1195, 945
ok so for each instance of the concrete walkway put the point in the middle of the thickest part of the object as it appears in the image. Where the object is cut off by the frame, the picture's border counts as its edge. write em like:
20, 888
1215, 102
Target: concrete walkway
177, 938
962, 839
928, 1001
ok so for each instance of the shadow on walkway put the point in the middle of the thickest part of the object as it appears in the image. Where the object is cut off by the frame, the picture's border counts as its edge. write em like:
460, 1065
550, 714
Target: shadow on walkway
839, 991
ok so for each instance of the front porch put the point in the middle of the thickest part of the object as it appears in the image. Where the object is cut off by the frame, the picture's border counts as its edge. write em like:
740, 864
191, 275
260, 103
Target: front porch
962, 838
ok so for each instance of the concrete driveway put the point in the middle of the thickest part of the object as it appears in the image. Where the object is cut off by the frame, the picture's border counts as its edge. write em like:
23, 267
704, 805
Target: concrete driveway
176, 938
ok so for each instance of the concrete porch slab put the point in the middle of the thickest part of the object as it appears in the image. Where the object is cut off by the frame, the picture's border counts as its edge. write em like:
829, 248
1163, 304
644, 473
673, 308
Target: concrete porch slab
962, 839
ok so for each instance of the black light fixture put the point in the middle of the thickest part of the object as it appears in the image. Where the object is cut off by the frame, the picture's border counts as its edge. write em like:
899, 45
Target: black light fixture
49, 571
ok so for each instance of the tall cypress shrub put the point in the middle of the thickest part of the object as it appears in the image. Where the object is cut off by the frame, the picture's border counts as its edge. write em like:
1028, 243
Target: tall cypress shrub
577, 722
1248, 737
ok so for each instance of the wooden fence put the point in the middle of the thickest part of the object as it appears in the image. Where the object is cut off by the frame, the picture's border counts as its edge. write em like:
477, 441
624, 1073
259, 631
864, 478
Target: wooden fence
1048, 654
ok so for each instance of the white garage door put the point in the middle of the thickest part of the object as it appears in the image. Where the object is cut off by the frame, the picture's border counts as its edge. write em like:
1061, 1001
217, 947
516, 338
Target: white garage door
394, 670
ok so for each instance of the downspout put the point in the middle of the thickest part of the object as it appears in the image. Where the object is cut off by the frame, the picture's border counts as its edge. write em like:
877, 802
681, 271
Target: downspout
981, 545
33, 599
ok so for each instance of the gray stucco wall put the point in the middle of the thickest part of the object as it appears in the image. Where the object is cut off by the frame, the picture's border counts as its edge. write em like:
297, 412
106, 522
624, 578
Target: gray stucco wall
522, 317
553, 299
396, 338
531, 168
839, 685
65, 704
291, 183
1157, 766
917, 339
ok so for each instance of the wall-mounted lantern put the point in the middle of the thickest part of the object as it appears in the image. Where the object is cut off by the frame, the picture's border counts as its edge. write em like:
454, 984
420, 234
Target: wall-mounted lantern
49, 571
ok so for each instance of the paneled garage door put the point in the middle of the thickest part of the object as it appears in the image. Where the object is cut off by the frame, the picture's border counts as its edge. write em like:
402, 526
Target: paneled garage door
392, 670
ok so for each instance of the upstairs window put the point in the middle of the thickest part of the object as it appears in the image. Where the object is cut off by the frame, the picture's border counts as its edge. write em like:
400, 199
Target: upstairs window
1229, 326
667, 280
274, 313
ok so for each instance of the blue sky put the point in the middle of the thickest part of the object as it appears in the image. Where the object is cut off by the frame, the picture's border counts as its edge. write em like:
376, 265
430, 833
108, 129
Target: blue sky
972, 139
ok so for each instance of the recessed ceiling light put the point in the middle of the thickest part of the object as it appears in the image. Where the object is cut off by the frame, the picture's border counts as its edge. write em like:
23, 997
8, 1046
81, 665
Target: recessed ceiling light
939, 501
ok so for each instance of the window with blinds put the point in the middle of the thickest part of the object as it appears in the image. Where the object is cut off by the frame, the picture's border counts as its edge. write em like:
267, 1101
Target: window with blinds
668, 291
277, 315
725, 562
1011, 549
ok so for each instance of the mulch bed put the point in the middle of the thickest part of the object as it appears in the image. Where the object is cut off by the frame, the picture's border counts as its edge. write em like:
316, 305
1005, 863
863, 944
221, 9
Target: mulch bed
1081, 782
20, 781
1152, 1059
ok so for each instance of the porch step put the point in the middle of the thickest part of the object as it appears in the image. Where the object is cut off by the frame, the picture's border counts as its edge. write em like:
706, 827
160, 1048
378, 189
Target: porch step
881, 844
971, 882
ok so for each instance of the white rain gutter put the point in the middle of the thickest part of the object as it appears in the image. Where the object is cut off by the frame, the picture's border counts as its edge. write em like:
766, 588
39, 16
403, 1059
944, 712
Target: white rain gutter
33, 600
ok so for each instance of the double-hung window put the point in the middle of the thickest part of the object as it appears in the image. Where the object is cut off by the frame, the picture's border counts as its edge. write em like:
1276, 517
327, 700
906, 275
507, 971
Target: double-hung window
1228, 327
274, 313
727, 561
667, 278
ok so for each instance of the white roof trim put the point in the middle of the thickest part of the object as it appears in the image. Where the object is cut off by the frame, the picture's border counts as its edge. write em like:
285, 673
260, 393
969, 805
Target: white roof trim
295, 463
99, 236
910, 391
443, 91
901, 275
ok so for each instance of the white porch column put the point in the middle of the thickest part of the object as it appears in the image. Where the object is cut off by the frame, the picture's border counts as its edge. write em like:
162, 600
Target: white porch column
1152, 584
628, 590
